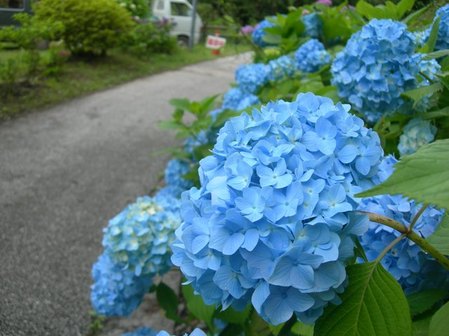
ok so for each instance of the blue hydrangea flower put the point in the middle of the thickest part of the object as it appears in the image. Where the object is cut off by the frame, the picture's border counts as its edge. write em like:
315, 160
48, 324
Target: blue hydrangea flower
115, 291
251, 77
195, 332
421, 37
376, 67
144, 331
236, 99
259, 33
312, 56
430, 69
271, 223
175, 184
281, 68
410, 266
415, 134
443, 29
138, 238
312, 24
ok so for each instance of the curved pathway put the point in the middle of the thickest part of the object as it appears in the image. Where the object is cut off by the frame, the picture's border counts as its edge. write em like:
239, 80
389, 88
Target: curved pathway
63, 173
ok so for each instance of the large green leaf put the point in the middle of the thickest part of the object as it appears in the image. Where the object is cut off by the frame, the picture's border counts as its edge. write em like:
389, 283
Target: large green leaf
197, 307
440, 238
423, 301
168, 300
439, 322
232, 316
404, 6
373, 305
421, 92
423, 176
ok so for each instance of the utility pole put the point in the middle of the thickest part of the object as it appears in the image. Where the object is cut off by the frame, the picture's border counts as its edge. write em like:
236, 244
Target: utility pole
192, 28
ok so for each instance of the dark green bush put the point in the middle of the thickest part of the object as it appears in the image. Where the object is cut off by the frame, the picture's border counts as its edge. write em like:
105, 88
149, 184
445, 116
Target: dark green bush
89, 27
149, 38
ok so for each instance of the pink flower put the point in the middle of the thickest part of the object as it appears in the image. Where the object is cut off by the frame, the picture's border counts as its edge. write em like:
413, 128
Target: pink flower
325, 2
247, 30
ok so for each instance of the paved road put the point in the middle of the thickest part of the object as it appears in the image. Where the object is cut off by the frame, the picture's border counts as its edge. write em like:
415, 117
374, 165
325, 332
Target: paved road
63, 173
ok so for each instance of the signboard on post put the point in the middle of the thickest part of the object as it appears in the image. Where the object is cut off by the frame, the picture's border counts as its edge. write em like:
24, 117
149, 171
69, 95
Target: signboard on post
215, 42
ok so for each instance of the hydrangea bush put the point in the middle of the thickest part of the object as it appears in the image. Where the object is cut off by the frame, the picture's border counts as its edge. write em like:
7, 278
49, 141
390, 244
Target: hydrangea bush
313, 25
271, 219
259, 33
251, 77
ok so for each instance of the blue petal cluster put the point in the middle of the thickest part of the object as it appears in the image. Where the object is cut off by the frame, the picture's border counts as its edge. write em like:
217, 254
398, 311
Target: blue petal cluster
271, 223
175, 184
259, 33
196, 332
116, 292
281, 68
313, 25
430, 69
251, 77
138, 238
376, 67
414, 269
312, 56
144, 331
415, 134
236, 99
443, 30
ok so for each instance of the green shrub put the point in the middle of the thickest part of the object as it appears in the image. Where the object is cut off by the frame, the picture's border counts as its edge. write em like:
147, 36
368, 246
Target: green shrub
149, 38
89, 27
137, 8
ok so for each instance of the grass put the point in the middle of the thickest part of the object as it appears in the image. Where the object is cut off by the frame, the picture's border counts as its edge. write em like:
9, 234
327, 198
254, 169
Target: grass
79, 77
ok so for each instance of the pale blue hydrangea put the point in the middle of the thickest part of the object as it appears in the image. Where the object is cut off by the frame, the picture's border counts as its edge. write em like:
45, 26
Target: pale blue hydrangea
236, 99
430, 69
409, 265
175, 183
272, 222
259, 33
144, 331
195, 332
416, 134
115, 291
443, 30
312, 56
420, 37
376, 67
312, 25
251, 77
281, 68
138, 238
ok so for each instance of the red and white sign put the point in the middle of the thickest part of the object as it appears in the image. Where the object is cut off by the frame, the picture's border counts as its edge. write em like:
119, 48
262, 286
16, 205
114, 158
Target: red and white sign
215, 42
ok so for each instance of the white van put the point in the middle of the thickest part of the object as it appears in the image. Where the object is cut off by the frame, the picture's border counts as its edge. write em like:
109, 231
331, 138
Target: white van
180, 13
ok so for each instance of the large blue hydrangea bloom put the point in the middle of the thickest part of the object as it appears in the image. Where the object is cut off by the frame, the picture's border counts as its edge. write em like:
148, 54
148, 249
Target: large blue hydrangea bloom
144, 331
236, 99
415, 134
312, 24
115, 291
443, 30
312, 56
414, 269
376, 67
259, 33
251, 77
281, 68
138, 238
271, 223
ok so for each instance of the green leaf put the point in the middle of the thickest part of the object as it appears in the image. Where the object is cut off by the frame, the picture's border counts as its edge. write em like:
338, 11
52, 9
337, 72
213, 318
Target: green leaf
404, 6
423, 301
430, 45
415, 15
417, 94
197, 307
439, 322
369, 11
421, 327
423, 176
372, 305
232, 316
444, 112
181, 103
436, 54
168, 300
440, 238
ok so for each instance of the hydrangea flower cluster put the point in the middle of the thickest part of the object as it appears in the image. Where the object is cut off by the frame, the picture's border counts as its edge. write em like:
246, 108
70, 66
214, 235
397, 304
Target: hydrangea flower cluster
410, 266
312, 24
415, 134
149, 332
430, 69
116, 291
236, 99
376, 67
136, 244
443, 29
195, 332
271, 222
138, 238
311, 56
251, 77
175, 184
259, 33
281, 68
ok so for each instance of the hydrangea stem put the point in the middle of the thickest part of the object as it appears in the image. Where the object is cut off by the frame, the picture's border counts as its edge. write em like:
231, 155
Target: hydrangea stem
412, 235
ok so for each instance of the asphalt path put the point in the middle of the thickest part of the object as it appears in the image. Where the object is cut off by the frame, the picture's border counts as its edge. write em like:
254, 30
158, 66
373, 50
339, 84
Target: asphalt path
63, 173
